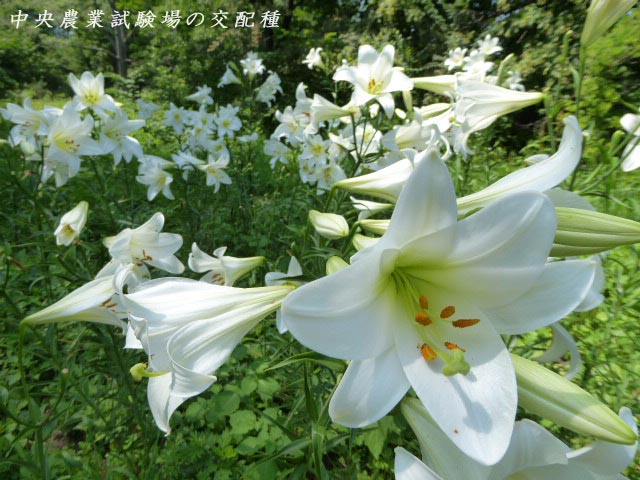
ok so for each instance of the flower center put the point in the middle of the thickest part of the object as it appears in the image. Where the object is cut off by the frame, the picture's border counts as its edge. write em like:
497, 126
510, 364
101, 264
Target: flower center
452, 354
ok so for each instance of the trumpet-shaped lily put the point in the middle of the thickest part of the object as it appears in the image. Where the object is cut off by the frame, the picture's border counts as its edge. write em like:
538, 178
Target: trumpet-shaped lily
215, 172
71, 224
228, 78
375, 77
423, 307
221, 269
89, 92
146, 244
189, 329
202, 96
533, 453
313, 58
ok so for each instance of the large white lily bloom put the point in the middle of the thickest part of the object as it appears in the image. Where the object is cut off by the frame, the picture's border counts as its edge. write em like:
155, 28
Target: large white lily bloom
89, 92
388, 182
115, 139
29, 122
631, 154
146, 244
221, 269
227, 121
424, 306
71, 224
189, 329
533, 453
375, 77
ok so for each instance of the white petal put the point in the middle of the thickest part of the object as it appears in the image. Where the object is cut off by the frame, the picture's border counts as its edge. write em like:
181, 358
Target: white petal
477, 410
562, 343
632, 160
539, 177
131, 340
369, 390
531, 446
426, 204
499, 252
161, 402
557, 292
345, 315
408, 467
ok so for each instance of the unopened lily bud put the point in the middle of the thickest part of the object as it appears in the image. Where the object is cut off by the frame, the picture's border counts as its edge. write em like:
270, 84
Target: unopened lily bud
379, 227
545, 393
360, 242
601, 16
335, 264
27, 148
585, 232
329, 225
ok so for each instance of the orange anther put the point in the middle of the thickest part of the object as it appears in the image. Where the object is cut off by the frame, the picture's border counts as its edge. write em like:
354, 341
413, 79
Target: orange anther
453, 346
427, 352
423, 319
447, 311
424, 303
455, 430
465, 322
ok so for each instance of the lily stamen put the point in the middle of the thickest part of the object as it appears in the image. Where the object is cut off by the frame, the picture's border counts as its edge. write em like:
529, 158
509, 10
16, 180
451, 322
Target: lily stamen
465, 322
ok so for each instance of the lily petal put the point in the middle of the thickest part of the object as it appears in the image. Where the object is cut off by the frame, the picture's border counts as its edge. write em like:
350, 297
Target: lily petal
345, 315
557, 292
369, 390
409, 467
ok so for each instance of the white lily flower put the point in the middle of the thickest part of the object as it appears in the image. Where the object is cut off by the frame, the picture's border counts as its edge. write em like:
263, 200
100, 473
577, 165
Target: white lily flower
29, 122
631, 153
514, 81
329, 225
475, 66
601, 16
89, 92
424, 306
252, 65
151, 172
368, 208
97, 301
221, 269
323, 110
533, 453
69, 137
146, 109
71, 224
313, 58
267, 91
175, 118
202, 96
442, 84
228, 78
146, 244
227, 121
489, 45
277, 151
189, 329
215, 172
114, 136
456, 58
375, 77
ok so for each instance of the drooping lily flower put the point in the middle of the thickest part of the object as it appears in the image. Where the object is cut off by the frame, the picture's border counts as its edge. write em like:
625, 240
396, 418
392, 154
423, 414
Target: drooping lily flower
533, 453
221, 269
146, 244
375, 77
423, 307
189, 329
71, 224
